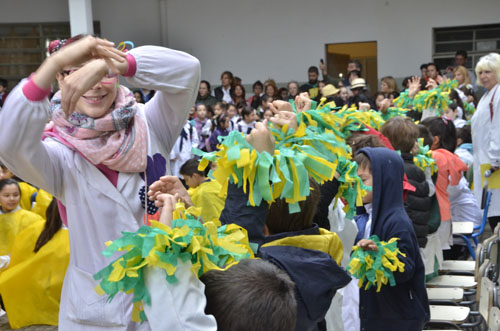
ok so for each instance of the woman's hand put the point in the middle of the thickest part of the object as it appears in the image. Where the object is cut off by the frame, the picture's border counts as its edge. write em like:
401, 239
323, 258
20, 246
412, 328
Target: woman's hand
169, 185
86, 49
167, 203
76, 54
79, 82
261, 138
285, 118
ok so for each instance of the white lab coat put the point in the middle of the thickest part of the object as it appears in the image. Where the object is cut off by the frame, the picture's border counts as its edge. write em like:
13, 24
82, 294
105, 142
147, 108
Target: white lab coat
486, 144
179, 306
96, 210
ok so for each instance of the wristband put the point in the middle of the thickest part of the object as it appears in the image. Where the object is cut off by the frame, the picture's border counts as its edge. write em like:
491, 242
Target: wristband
33, 92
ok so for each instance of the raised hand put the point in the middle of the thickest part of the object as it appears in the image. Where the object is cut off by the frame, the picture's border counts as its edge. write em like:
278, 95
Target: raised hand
169, 185
261, 138
79, 82
285, 118
86, 49
279, 105
303, 102
414, 86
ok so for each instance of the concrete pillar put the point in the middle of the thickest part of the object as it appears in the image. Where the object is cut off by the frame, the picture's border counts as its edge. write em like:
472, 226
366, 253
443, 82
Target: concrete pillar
80, 17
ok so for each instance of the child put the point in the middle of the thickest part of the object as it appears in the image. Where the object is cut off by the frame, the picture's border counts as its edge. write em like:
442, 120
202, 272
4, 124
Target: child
221, 129
450, 169
199, 122
181, 152
404, 306
232, 112
455, 113
31, 286
203, 191
403, 134
13, 219
464, 145
247, 121
268, 113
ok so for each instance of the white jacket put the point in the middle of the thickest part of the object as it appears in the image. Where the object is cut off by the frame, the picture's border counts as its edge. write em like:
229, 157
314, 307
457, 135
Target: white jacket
486, 144
96, 210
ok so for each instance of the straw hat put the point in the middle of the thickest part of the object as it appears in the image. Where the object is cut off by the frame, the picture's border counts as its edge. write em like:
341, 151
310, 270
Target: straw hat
358, 83
329, 90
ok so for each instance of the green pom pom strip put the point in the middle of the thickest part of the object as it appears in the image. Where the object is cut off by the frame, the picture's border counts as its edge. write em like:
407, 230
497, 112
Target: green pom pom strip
376, 268
424, 159
316, 149
205, 245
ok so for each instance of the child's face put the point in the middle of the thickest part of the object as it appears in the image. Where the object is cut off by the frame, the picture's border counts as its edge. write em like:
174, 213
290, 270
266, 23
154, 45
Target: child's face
201, 112
451, 114
231, 111
268, 114
217, 111
378, 100
191, 181
367, 178
224, 124
9, 198
257, 90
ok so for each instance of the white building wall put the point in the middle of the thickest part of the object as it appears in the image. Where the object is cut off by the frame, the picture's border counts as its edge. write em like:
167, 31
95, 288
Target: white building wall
258, 39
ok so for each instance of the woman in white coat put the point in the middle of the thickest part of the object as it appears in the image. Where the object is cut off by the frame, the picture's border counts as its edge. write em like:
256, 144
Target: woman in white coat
486, 129
99, 153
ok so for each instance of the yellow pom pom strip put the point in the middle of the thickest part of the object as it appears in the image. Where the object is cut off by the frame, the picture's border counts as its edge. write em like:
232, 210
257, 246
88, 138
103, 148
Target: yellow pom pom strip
316, 149
205, 245
436, 99
376, 268
424, 158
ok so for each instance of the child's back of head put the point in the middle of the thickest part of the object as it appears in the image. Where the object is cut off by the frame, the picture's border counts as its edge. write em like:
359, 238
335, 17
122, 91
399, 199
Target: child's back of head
252, 295
443, 132
280, 220
401, 132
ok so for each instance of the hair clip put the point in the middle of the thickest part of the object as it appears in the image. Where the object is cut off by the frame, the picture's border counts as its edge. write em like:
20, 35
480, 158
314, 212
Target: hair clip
125, 46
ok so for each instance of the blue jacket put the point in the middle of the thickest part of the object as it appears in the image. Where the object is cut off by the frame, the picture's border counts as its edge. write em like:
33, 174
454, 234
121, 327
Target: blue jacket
404, 306
316, 275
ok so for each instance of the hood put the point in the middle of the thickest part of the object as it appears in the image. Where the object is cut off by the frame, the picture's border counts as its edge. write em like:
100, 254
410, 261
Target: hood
316, 276
388, 172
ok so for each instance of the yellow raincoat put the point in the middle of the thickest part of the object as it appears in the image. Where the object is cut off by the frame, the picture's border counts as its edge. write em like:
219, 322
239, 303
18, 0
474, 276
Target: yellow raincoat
206, 196
31, 285
42, 201
11, 224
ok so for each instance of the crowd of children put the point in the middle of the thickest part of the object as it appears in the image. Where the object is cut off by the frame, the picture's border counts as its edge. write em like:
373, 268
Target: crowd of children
403, 170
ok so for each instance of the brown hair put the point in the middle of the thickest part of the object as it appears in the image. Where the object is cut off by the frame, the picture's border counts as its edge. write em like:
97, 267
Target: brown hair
252, 295
391, 83
280, 220
359, 141
52, 225
363, 161
401, 132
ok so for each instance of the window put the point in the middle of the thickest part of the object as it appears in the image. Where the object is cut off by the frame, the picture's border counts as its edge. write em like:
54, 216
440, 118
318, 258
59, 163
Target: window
477, 40
24, 46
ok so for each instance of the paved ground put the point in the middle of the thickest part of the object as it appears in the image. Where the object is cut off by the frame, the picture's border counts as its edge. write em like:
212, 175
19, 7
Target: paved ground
4, 325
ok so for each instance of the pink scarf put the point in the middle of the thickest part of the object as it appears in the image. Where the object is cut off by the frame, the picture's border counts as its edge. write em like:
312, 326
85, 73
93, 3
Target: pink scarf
118, 140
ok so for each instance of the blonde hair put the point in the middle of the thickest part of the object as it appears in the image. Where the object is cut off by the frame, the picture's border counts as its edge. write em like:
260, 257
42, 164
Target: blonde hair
391, 83
489, 62
464, 72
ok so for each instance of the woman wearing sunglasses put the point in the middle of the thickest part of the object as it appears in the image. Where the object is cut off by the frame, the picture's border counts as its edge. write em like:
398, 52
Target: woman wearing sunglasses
98, 153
